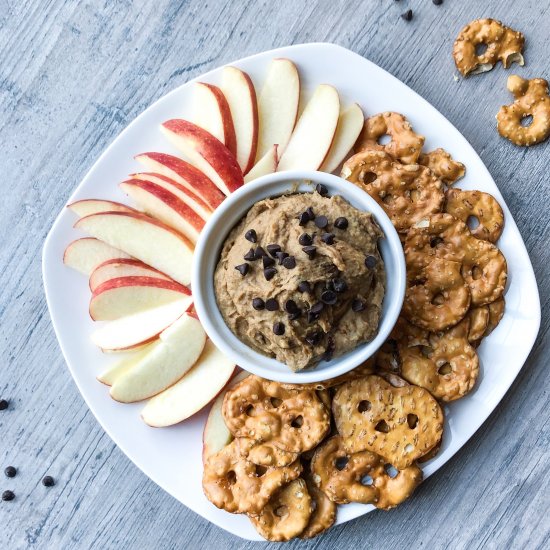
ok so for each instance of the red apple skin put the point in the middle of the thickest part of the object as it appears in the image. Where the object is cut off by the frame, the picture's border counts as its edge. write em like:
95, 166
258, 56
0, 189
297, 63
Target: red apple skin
254, 101
230, 139
198, 183
127, 261
211, 149
123, 207
174, 202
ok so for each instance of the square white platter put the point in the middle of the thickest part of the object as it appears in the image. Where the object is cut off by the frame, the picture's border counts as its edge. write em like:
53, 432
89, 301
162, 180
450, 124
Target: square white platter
171, 457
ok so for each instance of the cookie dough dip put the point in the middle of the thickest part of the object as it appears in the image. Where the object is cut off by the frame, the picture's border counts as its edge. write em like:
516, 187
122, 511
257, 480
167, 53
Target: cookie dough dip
300, 278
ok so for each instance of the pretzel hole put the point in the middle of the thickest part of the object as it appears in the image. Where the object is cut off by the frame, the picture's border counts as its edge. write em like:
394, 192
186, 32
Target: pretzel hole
387, 199
438, 299
481, 48
369, 177
390, 470
409, 448
476, 273
472, 222
297, 422
341, 462
412, 421
384, 139
445, 369
249, 411
281, 511
364, 406
382, 426
435, 241
367, 480
231, 477
275, 402
260, 470
527, 120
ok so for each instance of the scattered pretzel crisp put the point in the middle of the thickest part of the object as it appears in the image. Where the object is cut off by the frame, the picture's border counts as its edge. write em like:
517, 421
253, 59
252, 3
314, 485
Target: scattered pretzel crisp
287, 513
264, 454
482, 206
502, 43
292, 420
405, 145
399, 424
362, 476
238, 486
531, 100
407, 193
323, 513
443, 165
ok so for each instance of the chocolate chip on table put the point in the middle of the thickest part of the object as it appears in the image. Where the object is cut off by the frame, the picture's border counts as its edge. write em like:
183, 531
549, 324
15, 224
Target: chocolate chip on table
3, 404
437, 2
314, 338
250, 256
303, 219
291, 306
273, 249
371, 261
8, 495
269, 273
48, 481
328, 238
408, 15
341, 223
295, 315
321, 189
258, 304
357, 305
310, 251
340, 285
305, 239
271, 304
267, 261
10, 471
278, 328
328, 297
281, 257
251, 236
242, 269
304, 286
289, 262
321, 222
259, 252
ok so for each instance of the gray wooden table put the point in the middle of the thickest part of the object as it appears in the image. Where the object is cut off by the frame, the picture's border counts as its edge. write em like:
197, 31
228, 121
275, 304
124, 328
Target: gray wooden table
72, 76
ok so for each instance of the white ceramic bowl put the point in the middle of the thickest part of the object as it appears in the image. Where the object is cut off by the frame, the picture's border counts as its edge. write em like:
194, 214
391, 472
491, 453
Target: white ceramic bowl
207, 252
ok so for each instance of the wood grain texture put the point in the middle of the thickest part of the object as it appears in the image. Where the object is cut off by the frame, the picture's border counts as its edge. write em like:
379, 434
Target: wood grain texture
72, 76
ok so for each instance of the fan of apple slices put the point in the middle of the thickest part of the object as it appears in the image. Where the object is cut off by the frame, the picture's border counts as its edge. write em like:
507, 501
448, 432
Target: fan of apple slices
138, 259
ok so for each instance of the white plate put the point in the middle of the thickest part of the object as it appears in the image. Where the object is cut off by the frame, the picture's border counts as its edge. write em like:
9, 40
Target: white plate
172, 457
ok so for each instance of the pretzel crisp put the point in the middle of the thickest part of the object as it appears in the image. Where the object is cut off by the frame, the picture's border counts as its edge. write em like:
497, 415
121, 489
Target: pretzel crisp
482, 206
441, 300
264, 454
362, 476
287, 513
405, 145
407, 193
323, 513
496, 312
443, 165
503, 44
478, 319
292, 420
400, 424
531, 99
238, 486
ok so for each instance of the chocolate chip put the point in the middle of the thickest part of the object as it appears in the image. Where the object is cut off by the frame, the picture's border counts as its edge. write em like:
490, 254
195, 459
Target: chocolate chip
371, 261
310, 213
305, 239
408, 15
295, 315
303, 218
310, 251
250, 256
251, 236
328, 238
278, 328
281, 257
267, 261
341, 223
3, 404
312, 317
357, 305
321, 222
259, 252
329, 351
8, 495
340, 285
321, 189
271, 304
437, 2
269, 273
291, 306
258, 304
242, 269
10, 471
48, 481
317, 307
314, 338
273, 249
329, 297
329, 285
304, 286
289, 262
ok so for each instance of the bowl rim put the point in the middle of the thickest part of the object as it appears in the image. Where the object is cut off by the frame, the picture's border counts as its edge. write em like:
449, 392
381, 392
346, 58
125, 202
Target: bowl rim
210, 243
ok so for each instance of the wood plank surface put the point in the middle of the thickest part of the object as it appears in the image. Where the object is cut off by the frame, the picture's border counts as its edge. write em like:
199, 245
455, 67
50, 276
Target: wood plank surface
72, 76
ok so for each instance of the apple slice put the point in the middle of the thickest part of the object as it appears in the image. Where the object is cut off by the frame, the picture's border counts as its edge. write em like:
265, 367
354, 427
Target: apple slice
138, 329
144, 238
212, 113
278, 106
314, 132
122, 366
216, 435
165, 206
184, 174
122, 267
206, 152
93, 206
124, 296
86, 254
350, 124
266, 165
239, 91
177, 350
193, 392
